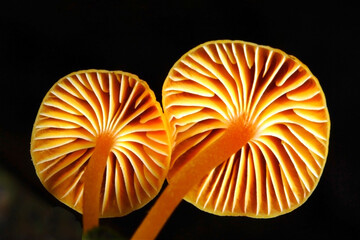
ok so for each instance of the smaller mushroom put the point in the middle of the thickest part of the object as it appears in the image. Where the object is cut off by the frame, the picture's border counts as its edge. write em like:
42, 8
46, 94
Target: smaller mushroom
250, 131
100, 144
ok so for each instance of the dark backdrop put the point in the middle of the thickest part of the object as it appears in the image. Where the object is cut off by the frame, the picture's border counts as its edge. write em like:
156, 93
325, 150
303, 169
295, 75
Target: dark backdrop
40, 42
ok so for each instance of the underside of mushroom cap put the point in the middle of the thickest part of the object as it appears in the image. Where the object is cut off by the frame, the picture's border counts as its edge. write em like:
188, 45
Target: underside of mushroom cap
81, 108
281, 105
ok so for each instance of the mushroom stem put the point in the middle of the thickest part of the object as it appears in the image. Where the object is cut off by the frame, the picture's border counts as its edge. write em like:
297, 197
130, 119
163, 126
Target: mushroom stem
232, 140
93, 180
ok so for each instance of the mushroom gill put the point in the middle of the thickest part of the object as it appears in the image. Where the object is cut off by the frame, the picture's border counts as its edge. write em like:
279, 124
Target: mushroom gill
100, 143
250, 131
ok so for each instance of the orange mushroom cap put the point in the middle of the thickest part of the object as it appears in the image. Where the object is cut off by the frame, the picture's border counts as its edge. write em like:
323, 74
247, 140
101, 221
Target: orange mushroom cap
282, 109
250, 132
87, 108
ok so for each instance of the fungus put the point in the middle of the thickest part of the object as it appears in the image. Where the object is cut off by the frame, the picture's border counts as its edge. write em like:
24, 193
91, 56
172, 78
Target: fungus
250, 131
100, 144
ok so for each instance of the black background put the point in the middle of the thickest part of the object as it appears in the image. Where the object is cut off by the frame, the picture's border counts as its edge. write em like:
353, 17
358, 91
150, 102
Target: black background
40, 42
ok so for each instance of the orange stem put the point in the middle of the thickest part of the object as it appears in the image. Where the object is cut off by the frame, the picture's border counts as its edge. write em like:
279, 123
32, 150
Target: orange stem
232, 140
93, 175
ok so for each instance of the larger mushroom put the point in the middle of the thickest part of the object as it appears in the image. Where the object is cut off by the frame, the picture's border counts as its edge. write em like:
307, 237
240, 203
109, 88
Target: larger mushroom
250, 129
100, 143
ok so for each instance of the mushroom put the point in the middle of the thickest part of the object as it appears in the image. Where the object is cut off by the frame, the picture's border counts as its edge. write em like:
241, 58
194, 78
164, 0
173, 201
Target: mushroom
100, 144
250, 131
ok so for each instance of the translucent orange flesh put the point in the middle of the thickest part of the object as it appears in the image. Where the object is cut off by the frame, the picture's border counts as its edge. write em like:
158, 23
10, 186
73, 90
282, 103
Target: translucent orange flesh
272, 169
190, 174
100, 144
278, 169
93, 180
